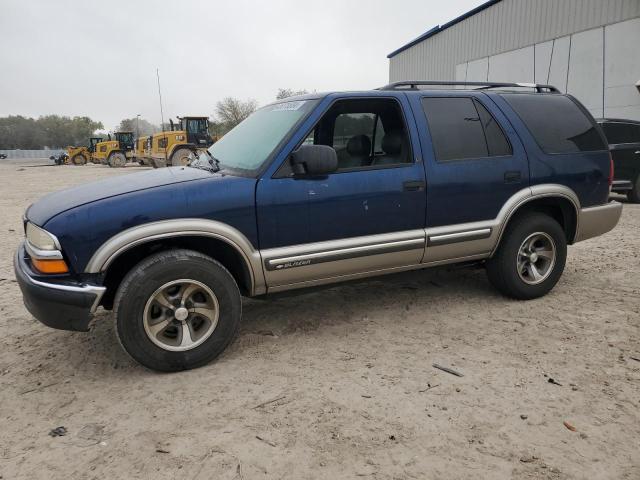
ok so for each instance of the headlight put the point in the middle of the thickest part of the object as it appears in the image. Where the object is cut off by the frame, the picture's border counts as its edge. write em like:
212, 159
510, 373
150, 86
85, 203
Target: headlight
41, 239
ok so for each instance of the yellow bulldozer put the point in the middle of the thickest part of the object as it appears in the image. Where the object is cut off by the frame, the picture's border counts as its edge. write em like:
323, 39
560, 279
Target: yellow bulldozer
84, 154
115, 152
173, 147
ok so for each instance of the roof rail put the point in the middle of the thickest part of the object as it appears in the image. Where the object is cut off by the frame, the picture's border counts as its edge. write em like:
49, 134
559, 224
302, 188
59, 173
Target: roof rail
414, 84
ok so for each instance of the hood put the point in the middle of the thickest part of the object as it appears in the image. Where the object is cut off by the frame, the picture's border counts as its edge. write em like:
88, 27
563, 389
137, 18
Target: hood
55, 203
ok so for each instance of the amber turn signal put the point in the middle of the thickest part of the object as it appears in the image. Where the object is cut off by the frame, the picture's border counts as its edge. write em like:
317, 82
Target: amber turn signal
50, 266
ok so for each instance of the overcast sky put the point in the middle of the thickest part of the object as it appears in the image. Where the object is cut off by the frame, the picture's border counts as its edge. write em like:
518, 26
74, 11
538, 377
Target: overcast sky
99, 58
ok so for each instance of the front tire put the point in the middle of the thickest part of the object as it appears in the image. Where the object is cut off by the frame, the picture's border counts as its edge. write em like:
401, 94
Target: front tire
79, 159
530, 258
117, 160
180, 157
177, 310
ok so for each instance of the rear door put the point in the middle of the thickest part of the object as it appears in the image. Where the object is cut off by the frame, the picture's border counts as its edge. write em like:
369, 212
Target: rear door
474, 160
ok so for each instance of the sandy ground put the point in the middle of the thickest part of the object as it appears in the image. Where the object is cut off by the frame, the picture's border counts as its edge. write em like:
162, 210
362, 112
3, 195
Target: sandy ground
339, 383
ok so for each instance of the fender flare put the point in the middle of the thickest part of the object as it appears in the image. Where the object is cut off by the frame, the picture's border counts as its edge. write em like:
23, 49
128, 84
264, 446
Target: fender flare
132, 237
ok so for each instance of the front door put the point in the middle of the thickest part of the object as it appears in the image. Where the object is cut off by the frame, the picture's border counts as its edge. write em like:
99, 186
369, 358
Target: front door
369, 215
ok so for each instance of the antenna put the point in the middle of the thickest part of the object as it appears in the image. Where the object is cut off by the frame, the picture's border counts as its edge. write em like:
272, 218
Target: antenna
161, 113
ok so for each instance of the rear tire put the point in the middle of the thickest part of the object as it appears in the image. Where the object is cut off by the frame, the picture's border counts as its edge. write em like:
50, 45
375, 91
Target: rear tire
79, 159
530, 259
177, 310
117, 160
180, 157
633, 195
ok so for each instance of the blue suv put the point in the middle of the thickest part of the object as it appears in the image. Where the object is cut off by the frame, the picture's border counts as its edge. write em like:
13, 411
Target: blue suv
318, 189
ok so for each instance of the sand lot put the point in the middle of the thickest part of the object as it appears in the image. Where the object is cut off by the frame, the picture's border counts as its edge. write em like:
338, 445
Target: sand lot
339, 383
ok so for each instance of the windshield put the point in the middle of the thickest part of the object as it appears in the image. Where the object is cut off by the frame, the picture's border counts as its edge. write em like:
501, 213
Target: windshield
195, 125
249, 145
124, 137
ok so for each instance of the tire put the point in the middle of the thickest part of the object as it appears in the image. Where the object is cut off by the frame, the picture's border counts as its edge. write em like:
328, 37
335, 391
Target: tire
544, 234
117, 160
180, 157
633, 195
79, 159
161, 344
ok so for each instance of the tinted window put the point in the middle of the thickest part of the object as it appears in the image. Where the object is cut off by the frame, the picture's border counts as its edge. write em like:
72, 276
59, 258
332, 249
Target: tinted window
349, 125
497, 142
463, 128
619, 132
556, 122
456, 130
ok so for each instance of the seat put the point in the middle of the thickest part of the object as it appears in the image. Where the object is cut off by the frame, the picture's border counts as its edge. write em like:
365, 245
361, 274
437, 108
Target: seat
356, 154
393, 146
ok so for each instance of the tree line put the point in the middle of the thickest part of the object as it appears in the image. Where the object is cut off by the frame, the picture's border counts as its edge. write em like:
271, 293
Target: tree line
55, 131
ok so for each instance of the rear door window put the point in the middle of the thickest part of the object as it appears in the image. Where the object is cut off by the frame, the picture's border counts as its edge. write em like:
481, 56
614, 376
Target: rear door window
462, 128
557, 124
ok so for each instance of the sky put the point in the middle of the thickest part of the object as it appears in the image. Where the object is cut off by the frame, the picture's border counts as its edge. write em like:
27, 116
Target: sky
99, 59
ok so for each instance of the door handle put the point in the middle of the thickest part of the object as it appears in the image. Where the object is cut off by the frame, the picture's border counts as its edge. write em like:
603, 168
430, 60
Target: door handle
512, 177
413, 185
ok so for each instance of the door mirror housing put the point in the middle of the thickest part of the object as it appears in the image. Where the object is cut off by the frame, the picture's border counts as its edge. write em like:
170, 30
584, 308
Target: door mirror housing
314, 160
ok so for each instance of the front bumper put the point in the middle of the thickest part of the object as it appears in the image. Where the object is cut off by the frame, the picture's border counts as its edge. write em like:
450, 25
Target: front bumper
65, 306
594, 221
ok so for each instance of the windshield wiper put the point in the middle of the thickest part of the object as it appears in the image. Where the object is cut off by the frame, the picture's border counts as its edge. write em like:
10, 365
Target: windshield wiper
212, 165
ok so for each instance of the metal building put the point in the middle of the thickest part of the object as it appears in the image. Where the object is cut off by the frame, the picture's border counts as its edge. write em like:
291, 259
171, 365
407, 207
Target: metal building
589, 48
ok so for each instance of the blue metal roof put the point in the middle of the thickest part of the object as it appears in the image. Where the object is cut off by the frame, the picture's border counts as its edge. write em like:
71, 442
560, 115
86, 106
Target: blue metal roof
437, 29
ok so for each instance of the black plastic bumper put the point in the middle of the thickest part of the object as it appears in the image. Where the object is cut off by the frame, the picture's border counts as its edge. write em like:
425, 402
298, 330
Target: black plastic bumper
621, 186
65, 306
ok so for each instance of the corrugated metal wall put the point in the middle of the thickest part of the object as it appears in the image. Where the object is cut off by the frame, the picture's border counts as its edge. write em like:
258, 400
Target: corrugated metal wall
508, 25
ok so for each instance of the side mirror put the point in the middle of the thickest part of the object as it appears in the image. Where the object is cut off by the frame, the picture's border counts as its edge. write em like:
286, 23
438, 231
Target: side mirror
314, 160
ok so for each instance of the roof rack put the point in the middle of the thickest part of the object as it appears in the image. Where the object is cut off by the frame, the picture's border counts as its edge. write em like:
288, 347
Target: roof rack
414, 84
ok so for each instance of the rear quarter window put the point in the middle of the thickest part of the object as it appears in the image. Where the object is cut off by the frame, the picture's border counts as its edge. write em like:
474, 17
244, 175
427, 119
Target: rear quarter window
556, 122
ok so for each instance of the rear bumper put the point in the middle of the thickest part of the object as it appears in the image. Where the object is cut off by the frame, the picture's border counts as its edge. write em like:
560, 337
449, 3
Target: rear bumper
594, 221
621, 186
65, 306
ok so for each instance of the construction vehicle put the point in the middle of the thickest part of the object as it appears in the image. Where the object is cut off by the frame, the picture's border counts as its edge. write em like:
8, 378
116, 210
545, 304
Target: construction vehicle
116, 152
174, 147
82, 155
142, 150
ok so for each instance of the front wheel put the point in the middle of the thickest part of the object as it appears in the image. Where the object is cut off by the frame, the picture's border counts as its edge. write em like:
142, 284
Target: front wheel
177, 310
79, 159
531, 257
117, 160
180, 157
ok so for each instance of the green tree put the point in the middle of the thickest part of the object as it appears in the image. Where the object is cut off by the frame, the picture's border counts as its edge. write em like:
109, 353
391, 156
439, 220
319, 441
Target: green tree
51, 131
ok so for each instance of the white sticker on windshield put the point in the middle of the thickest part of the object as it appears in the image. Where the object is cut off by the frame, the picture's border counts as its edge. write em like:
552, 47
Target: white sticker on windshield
288, 106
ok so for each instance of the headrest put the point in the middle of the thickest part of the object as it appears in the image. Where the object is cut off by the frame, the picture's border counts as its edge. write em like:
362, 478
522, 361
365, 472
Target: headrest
392, 143
359, 145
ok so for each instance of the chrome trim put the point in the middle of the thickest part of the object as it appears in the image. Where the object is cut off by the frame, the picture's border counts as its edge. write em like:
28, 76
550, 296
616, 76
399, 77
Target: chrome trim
454, 237
134, 236
598, 220
349, 256
38, 253
343, 254
97, 291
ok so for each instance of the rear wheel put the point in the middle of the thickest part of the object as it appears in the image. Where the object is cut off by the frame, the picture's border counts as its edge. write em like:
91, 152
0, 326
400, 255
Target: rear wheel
633, 195
79, 159
180, 157
531, 257
177, 310
117, 160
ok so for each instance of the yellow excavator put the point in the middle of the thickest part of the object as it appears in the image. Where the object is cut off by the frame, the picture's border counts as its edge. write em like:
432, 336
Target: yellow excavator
83, 155
116, 152
173, 147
